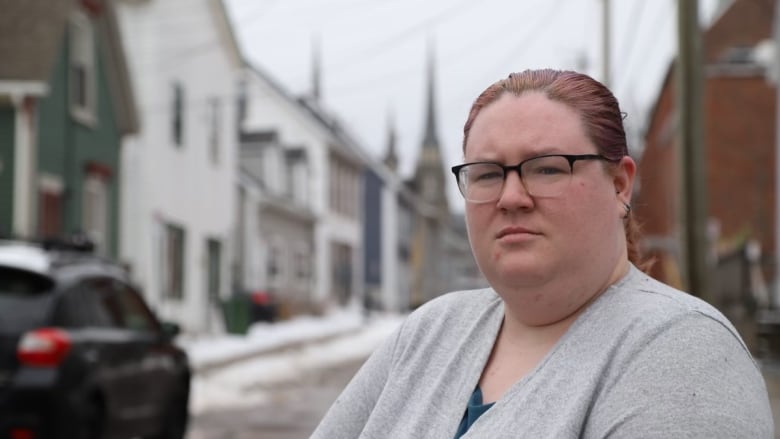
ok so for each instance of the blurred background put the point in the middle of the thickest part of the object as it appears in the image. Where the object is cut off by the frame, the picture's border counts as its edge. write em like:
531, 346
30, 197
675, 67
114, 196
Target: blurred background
259, 168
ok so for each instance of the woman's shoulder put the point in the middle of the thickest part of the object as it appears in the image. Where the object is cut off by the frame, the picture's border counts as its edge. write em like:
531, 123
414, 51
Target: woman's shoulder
455, 312
639, 299
646, 294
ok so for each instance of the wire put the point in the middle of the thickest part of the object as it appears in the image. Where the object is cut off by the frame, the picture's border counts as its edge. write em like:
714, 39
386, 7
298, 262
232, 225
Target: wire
383, 46
644, 53
635, 27
527, 39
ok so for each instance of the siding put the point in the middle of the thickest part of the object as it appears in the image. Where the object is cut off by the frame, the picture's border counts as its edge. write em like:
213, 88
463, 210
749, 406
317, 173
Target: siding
7, 127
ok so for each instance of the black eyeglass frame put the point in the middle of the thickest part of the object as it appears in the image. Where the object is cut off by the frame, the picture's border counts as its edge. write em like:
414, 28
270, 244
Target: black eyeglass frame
571, 158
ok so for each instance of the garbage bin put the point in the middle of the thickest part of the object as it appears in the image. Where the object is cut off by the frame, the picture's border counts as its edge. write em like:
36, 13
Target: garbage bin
236, 312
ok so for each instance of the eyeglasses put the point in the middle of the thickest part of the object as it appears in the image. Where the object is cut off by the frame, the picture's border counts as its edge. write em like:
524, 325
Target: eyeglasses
542, 176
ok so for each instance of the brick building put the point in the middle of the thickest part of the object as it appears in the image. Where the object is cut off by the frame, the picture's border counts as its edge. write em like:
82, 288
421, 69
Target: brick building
739, 144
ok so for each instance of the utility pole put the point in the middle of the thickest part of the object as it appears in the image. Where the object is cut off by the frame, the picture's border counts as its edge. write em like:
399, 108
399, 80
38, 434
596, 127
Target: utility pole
693, 202
606, 46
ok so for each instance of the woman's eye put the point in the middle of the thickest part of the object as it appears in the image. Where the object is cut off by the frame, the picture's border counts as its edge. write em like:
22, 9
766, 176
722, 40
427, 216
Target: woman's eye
488, 176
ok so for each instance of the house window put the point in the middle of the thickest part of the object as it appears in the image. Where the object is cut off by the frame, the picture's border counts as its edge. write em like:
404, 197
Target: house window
174, 247
50, 206
177, 110
341, 272
215, 126
81, 69
273, 266
302, 266
214, 249
95, 211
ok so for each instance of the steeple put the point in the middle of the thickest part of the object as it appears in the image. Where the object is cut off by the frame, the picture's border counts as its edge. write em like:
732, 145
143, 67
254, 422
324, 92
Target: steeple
429, 174
316, 73
391, 156
431, 140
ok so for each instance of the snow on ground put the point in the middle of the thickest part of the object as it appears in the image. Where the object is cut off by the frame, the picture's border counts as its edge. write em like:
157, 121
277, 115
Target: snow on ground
340, 337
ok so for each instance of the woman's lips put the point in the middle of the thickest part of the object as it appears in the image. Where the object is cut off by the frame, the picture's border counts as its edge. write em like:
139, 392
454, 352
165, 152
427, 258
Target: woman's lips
514, 230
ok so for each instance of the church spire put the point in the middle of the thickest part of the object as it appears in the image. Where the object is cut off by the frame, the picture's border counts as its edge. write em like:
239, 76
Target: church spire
316, 73
391, 156
431, 140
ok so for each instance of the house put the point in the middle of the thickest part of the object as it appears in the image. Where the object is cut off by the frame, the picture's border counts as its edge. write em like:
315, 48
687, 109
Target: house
179, 172
306, 186
275, 234
65, 104
739, 144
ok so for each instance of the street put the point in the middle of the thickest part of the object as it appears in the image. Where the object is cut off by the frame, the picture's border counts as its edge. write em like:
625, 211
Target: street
289, 410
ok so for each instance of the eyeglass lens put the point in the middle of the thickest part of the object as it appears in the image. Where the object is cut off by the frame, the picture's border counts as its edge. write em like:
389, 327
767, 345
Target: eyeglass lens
542, 177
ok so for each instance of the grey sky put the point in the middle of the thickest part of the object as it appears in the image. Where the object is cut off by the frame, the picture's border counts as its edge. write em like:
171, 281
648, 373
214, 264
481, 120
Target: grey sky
373, 55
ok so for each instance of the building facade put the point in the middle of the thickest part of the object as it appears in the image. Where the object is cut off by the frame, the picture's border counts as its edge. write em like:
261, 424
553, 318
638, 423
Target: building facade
65, 104
324, 167
179, 173
739, 144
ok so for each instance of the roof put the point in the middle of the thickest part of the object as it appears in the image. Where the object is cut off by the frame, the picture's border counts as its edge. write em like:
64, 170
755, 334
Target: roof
31, 38
23, 256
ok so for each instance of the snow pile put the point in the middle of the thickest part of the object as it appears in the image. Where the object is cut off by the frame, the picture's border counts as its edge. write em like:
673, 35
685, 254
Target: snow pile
243, 383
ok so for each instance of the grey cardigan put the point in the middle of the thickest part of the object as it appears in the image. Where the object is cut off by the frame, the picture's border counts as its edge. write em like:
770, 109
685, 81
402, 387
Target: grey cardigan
644, 360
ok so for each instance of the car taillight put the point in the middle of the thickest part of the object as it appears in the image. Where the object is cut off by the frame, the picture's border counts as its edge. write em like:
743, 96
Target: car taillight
43, 347
22, 433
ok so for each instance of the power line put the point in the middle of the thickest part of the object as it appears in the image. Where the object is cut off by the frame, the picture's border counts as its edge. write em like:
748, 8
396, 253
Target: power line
385, 45
636, 13
656, 27
527, 39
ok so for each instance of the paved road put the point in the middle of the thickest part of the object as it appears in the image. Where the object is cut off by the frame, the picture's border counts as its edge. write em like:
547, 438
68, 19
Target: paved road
291, 412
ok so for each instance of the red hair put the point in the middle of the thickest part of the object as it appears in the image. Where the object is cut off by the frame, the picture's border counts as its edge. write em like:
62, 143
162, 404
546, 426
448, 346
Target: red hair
596, 105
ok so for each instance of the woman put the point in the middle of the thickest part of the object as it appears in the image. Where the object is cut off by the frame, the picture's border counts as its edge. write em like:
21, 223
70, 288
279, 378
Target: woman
572, 340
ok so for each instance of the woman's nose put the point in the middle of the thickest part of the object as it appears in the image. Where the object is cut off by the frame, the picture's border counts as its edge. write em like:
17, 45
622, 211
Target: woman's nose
514, 195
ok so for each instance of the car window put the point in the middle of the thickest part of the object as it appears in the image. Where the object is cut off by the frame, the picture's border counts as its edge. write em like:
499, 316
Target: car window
136, 315
89, 304
25, 300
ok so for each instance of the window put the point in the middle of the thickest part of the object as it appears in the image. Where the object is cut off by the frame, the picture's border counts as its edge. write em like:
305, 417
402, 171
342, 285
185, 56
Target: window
273, 265
135, 314
302, 266
49, 206
173, 259
341, 269
95, 215
215, 127
214, 248
81, 69
177, 119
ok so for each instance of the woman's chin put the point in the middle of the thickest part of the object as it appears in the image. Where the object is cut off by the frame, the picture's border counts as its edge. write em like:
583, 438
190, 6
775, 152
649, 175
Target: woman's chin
519, 271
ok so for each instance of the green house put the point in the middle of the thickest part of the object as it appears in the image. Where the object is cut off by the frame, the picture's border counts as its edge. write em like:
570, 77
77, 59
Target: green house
65, 103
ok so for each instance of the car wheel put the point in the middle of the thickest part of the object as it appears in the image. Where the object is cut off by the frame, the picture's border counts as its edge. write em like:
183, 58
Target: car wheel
176, 418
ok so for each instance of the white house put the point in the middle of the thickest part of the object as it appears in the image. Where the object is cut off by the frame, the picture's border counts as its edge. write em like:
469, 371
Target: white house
179, 173
332, 186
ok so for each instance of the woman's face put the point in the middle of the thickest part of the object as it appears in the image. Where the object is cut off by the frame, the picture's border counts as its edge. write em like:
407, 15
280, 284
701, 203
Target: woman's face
520, 241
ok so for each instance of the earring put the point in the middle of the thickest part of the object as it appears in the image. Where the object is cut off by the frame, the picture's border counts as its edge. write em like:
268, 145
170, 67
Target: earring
628, 209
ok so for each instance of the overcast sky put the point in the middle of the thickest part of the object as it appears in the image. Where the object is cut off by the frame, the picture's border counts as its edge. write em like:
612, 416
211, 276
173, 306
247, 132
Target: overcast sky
373, 55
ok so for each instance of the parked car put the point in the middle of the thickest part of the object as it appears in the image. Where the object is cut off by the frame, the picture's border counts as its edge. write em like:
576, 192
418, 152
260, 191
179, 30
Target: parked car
81, 354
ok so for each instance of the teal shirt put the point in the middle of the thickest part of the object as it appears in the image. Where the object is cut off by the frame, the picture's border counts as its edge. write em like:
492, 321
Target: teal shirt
474, 410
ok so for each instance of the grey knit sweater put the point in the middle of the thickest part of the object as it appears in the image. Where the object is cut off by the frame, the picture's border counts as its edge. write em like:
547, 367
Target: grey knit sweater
644, 360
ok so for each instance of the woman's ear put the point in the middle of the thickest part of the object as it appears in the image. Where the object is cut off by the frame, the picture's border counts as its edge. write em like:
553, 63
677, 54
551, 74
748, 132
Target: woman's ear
623, 179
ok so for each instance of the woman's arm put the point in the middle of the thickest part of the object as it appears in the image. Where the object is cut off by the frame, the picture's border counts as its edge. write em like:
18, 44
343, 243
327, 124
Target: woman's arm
350, 412
694, 379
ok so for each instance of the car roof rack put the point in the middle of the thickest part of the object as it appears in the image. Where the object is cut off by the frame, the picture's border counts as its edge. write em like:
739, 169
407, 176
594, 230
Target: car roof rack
77, 242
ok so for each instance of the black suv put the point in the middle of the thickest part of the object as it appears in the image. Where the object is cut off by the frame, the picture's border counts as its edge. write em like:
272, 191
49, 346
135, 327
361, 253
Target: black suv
81, 354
